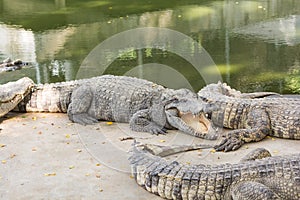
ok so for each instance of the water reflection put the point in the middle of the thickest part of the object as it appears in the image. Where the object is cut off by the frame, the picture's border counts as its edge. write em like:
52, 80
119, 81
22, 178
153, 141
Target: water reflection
18, 42
255, 44
278, 31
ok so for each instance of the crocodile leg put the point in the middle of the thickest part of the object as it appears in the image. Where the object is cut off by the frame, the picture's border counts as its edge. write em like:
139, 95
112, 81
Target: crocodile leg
255, 127
252, 191
80, 104
141, 121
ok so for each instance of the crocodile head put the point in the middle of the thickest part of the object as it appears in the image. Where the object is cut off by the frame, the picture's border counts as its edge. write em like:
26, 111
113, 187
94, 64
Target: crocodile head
13, 93
189, 114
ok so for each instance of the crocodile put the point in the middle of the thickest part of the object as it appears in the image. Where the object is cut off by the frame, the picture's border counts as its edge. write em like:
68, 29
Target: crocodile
257, 177
13, 93
8, 65
251, 116
148, 107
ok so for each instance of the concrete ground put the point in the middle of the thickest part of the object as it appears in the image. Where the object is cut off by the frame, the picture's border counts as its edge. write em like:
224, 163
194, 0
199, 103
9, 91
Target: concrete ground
44, 156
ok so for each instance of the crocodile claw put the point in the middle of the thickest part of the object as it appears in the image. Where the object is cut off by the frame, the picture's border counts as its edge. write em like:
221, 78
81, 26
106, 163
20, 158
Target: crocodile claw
158, 130
229, 143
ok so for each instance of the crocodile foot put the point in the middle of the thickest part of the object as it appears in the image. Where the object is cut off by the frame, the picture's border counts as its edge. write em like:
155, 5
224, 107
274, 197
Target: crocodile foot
154, 129
231, 142
82, 119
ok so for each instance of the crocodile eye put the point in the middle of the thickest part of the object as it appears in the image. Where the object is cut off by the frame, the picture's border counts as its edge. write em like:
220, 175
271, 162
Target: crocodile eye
208, 115
203, 99
174, 100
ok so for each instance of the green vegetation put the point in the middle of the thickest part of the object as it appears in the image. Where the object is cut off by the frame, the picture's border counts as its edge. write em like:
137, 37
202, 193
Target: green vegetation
38, 13
293, 79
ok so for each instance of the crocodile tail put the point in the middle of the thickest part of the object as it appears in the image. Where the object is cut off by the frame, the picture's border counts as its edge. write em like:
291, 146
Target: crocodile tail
170, 180
54, 97
151, 171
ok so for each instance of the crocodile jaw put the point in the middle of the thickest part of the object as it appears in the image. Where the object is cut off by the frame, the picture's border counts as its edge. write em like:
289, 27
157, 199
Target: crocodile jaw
12, 93
193, 124
197, 122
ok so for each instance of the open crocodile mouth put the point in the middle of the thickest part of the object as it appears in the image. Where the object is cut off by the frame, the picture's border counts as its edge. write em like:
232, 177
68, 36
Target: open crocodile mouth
199, 122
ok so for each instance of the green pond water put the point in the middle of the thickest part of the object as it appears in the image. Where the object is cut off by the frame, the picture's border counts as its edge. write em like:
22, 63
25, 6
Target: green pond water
251, 45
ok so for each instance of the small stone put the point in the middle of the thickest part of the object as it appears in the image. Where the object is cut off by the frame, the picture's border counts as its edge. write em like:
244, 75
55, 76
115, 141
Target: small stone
12, 156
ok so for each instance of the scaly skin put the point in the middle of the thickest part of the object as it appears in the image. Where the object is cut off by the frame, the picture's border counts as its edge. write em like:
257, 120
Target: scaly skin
251, 117
147, 107
13, 93
263, 179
